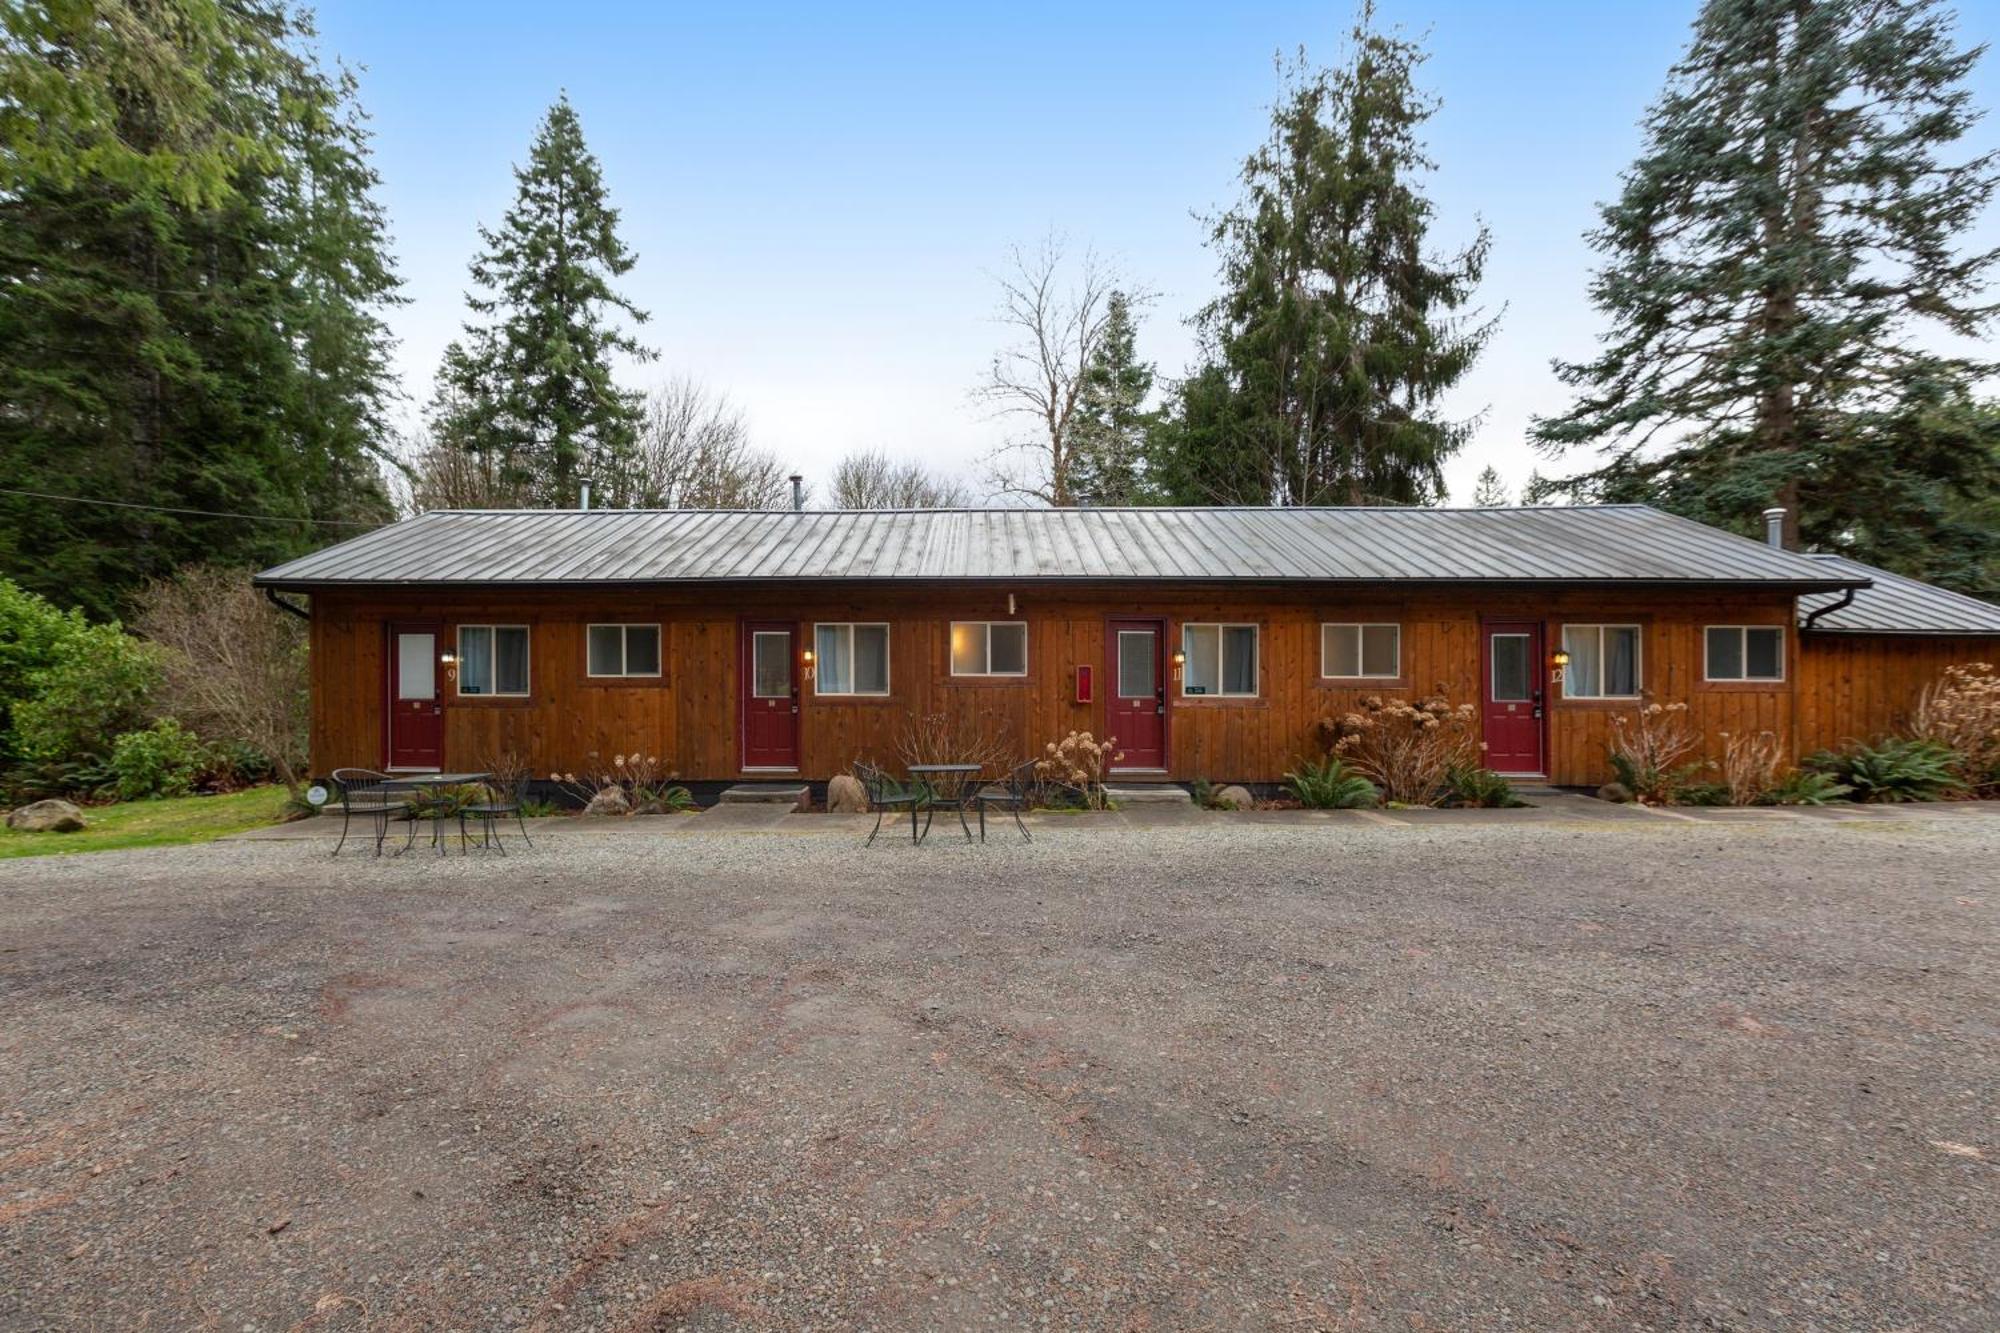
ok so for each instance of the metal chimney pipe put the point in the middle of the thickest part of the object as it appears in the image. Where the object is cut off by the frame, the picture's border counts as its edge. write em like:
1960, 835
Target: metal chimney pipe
798, 492
583, 493
1774, 528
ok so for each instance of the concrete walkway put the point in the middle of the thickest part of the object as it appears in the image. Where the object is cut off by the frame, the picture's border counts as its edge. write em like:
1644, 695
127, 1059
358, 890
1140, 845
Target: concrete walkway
1551, 807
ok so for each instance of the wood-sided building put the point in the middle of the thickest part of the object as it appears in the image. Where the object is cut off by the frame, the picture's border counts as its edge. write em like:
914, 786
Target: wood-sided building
1208, 642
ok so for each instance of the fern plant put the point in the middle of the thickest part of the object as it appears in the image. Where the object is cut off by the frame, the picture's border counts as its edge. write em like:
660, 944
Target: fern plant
1895, 770
1329, 784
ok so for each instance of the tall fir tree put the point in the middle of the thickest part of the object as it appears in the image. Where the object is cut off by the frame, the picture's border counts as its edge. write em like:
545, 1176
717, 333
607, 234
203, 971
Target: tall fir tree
1108, 439
1798, 216
531, 391
1339, 332
1490, 492
192, 278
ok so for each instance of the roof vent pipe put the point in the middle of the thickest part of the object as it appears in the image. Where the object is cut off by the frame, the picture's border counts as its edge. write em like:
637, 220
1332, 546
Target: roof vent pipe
583, 493
1774, 528
798, 492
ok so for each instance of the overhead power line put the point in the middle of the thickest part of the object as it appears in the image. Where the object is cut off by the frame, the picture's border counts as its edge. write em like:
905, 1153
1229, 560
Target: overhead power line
195, 513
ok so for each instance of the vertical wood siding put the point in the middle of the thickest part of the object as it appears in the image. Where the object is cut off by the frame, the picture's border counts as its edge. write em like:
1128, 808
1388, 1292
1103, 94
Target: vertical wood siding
689, 717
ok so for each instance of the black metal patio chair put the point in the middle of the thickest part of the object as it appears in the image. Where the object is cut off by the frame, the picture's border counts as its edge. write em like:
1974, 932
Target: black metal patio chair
502, 800
885, 794
362, 793
1011, 793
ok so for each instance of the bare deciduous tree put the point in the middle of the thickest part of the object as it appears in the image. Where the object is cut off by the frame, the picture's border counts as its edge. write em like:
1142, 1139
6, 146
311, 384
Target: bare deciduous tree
1058, 319
695, 453
235, 665
443, 476
875, 481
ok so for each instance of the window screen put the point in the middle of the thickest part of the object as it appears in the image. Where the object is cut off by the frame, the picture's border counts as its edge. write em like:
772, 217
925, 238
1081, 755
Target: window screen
1603, 661
1221, 660
1360, 651
624, 650
853, 659
1745, 652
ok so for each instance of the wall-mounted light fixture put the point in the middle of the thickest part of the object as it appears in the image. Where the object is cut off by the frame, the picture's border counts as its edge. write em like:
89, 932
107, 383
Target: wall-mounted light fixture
807, 657
1560, 658
1180, 658
447, 659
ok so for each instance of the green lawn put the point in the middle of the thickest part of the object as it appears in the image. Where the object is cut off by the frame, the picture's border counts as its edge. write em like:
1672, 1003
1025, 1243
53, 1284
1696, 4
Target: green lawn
153, 823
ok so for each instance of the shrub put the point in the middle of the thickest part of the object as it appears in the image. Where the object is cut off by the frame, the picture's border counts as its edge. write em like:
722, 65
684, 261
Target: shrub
100, 687
1330, 784
163, 760
1406, 748
1895, 770
646, 781
1480, 788
1750, 764
1961, 712
1803, 786
1646, 750
1076, 763
34, 636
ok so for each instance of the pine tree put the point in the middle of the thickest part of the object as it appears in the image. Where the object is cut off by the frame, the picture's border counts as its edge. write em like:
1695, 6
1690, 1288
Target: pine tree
1793, 222
1109, 435
192, 270
532, 389
1490, 492
1338, 334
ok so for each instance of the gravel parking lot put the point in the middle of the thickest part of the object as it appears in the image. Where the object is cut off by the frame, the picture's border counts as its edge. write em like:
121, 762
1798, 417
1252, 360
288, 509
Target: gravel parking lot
1483, 1076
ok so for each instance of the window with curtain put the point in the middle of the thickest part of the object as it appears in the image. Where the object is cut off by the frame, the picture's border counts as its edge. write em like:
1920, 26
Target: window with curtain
1361, 652
1603, 662
493, 659
1221, 660
1744, 652
989, 648
852, 659
623, 650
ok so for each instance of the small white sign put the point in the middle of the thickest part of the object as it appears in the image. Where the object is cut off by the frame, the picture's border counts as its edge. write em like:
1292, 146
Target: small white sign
316, 794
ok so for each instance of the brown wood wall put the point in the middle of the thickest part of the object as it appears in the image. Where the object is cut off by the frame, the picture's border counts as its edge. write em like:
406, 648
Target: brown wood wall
1863, 687
1835, 688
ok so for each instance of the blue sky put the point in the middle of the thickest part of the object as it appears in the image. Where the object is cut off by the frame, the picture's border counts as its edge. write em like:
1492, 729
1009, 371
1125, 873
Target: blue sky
819, 195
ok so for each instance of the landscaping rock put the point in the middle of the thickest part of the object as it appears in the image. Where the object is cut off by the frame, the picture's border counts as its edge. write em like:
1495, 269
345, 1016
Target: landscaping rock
46, 817
1616, 792
846, 796
610, 801
1233, 798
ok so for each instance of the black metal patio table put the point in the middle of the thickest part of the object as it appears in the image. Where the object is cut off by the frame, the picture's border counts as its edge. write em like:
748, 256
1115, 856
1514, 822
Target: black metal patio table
432, 782
958, 787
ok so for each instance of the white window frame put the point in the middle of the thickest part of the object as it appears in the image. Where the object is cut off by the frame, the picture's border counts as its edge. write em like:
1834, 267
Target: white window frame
1358, 626
1256, 658
986, 629
1638, 659
527, 661
888, 664
1743, 644
625, 628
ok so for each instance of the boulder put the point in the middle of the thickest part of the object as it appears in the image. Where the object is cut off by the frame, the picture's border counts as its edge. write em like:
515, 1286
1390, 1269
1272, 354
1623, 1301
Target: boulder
846, 796
1616, 792
46, 817
1233, 797
610, 801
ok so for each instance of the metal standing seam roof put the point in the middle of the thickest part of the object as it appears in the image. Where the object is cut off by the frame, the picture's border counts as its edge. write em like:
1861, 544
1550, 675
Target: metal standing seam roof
544, 547
1894, 604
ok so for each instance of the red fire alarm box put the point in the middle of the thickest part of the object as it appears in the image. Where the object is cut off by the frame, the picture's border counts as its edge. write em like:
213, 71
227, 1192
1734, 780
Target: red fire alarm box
1083, 684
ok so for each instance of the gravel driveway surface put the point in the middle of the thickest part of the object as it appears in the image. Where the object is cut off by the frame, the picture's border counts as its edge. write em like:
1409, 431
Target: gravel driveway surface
1240, 1076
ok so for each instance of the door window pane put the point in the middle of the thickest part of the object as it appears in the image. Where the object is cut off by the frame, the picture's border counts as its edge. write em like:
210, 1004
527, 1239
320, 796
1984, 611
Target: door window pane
1725, 653
607, 650
475, 659
1510, 668
416, 666
1137, 659
510, 659
771, 674
1765, 653
1007, 653
1239, 659
642, 650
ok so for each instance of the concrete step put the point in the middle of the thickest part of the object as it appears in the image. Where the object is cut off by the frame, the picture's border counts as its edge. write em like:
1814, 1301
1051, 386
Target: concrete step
1152, 793
791, 795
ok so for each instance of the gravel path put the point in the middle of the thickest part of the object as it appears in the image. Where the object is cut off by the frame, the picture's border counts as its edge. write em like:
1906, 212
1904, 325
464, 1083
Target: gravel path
1622, 1076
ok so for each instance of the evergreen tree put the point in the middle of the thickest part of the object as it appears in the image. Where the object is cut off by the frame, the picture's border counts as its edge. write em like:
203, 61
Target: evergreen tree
531, 390
1108, 438
1490, 492
1795, 218
1338, 334
191, 275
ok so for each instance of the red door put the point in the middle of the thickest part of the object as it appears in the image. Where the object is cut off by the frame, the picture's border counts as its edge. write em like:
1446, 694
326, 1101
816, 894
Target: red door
1512, 704
770, 695
1136, 714
416, 720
